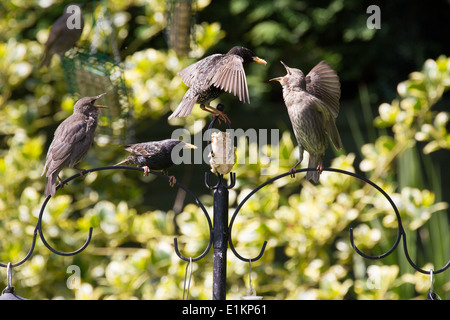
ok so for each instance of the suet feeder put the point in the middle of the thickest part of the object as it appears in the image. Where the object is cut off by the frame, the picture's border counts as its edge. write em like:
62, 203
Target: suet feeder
180, 16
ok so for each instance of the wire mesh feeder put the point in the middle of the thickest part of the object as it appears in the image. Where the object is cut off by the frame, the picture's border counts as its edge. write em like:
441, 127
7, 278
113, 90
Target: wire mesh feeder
91, 74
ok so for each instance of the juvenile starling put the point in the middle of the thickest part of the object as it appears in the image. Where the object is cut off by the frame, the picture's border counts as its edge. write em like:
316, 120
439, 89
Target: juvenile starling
211, 76
72, 140
155, 155
64, 34
313, 105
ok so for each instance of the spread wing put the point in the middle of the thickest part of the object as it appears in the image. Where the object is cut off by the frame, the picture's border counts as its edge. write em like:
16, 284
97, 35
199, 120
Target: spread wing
323, 82
230, 77
200, 71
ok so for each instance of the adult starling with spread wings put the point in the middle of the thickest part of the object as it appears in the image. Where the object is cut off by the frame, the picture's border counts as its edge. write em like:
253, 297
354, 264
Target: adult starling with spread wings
313, 106
155, 155
71, 141
210, 77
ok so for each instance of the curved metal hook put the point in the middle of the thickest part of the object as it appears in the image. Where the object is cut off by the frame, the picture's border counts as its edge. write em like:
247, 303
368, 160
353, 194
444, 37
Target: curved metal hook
431, 272
90, 230
41, 213
208, 219
221, 181
33, 244
400, 232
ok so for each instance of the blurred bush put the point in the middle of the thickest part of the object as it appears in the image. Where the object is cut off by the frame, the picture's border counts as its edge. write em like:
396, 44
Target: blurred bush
131, 256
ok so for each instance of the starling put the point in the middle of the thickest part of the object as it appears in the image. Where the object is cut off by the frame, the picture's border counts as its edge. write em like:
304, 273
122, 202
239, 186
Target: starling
209, 77
154, 155
313, 105
64, 34
72, 140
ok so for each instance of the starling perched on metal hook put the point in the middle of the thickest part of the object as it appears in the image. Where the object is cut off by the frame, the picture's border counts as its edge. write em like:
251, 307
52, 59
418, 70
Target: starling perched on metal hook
72, 140
313, 105
155, 155
211, 76
64, 34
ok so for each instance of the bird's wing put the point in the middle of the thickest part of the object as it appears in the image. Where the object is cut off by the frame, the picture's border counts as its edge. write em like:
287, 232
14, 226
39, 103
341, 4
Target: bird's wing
145, 149
199, 70
69, 132
329, 122
323, 83
230, 77
56, 31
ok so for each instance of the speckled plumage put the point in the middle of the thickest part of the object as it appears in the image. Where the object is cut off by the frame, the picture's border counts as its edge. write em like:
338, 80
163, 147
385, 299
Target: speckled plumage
210, 77
154, 155
313, 105
71, 141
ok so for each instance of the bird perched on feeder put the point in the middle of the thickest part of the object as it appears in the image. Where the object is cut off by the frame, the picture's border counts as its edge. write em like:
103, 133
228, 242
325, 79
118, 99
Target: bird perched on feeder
71, 141
312, 103
210, 77
155, 155
64, 34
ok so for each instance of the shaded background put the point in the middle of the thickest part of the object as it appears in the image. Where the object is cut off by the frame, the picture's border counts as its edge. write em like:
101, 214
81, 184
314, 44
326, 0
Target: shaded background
135, 218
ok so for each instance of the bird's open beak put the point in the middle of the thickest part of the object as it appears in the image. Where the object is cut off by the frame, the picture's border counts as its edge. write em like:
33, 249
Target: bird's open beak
286, 67
276, 79
98, 97
281, 78
189, 146
259, 60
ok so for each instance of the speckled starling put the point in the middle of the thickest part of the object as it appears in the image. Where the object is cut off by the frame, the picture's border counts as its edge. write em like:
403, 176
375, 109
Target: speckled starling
313, 105
64, 34
72, 140
210, 77
155, 155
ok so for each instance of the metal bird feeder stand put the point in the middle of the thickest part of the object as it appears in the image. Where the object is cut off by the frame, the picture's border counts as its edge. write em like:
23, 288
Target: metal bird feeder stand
219, 229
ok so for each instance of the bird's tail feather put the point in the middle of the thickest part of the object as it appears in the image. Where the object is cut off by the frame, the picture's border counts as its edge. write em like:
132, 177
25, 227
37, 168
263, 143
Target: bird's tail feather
50, 187
184, 108
46, 60
122, 162
314, 161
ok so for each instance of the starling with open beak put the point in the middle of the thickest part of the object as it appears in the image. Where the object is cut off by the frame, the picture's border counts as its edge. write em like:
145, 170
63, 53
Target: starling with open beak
155, 155
210, 77
71, 141
313, 106
64, 34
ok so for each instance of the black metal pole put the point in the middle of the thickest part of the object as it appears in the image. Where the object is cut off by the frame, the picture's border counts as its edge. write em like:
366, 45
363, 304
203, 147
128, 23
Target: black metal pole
220, 241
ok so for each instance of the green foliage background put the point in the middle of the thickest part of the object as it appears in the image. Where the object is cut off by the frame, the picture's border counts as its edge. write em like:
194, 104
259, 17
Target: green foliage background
393, 121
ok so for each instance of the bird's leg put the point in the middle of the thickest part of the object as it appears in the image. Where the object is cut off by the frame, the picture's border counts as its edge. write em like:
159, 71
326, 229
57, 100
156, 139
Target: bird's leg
320, 166
81, 171
204, 108
172, 181
61, 182
293, 169
146, 170
217, 113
